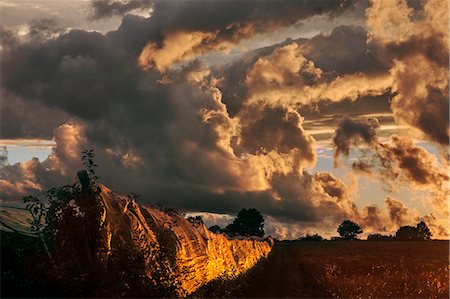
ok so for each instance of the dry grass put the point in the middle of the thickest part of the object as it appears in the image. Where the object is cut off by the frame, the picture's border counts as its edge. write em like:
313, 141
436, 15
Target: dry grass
346, 270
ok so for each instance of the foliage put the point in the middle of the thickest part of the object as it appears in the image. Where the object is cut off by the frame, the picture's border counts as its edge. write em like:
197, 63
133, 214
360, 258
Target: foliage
215, 229
410, 233
249, 222
25, 268
349, 230
334, 238
423, 231
195, 220
315, 237
87, 158
406, 233
69, 221
379, 237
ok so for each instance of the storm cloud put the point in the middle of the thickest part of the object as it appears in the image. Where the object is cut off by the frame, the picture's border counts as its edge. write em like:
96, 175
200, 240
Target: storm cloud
203, 135
398, 160
417, 50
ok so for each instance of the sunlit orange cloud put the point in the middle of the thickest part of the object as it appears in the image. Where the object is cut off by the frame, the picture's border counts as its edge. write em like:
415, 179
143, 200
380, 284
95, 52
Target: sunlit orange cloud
183, 46
260, 170
287, 78
13, 189
384, 219
277, 170
177, 47
396, 214
28, 177
397, 161
253, 167
417, 49
255, 170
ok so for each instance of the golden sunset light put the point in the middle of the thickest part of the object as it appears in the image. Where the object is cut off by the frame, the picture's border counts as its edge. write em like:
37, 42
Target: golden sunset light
197, 147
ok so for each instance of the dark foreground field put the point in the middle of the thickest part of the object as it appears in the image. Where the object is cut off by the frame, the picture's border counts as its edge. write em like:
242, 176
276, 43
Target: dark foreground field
326, 269
340, 269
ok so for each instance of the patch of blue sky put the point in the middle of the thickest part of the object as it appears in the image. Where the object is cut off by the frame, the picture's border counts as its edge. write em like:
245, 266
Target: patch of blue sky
372, 191
19, 153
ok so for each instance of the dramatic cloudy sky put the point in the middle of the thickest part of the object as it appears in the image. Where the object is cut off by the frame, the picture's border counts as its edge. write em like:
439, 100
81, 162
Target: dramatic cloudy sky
310, 111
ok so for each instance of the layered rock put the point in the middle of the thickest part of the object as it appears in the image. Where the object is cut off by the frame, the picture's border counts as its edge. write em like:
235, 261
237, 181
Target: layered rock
194, 254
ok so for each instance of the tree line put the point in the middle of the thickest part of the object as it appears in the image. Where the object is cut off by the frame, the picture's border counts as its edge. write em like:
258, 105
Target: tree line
250, 222
349, 230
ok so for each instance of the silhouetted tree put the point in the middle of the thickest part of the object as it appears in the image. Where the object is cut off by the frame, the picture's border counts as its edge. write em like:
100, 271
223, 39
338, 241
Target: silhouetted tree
410, 233
423, 232
249, 222
349, 230
407, 233
195, 220
379, 237
314, 237
215, 229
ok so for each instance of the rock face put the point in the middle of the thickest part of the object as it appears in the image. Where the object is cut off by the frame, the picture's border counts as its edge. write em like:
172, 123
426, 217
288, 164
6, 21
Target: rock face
195, 254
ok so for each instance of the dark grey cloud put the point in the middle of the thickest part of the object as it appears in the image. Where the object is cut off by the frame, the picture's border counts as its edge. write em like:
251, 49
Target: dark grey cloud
398, 213
195, 145
228, 21
233, 87
3, 156
25, 119
351, 133
430, 114
417, 54
108, 8
8, 39
397, 161
150, 137
19, 15
207, 14
328, 114
267, 129
344, 51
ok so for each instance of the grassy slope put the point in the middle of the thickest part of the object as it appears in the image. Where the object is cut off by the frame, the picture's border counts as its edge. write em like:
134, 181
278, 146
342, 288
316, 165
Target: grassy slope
345, 270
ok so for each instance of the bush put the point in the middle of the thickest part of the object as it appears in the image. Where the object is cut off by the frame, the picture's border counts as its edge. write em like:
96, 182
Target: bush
215, 229
379, 237
314, 237
69, 222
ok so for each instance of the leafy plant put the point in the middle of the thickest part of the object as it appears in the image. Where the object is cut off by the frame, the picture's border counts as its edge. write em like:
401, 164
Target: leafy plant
69, 221
410, 233
315, 237
87, 158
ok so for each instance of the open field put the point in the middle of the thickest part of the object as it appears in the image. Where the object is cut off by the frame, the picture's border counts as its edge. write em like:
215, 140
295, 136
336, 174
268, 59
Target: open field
342, 269
327, 269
